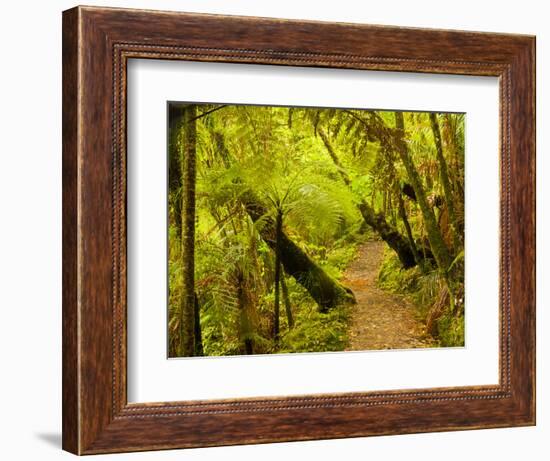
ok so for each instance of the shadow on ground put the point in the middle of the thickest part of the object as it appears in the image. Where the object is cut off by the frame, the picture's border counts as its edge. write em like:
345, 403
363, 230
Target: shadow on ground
51, 438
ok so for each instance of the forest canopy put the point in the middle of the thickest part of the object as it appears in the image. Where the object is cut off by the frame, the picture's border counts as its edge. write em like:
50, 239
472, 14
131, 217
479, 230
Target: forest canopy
310, 230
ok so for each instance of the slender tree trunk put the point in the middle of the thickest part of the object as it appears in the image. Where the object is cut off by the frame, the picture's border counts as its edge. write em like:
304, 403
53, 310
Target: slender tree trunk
174, 164
199, 350
449, 134
244, 321
391, 210
445, 182
188, 168
278, 236
437, 244
286, 299
341, 170
248, 346
408, 230
326, 291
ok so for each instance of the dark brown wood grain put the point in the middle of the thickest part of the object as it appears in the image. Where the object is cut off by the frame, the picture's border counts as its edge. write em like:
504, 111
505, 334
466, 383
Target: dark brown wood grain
70, 393
97, 42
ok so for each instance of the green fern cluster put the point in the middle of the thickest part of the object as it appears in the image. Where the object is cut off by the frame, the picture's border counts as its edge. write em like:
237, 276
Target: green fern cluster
327, 176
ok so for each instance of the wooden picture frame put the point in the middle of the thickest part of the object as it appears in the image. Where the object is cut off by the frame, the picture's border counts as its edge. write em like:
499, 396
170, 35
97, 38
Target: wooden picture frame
97, 43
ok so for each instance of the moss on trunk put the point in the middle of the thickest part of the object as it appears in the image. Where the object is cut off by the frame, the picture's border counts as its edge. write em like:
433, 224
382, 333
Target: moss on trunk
437, 244
188, 146
326, 291
377, 221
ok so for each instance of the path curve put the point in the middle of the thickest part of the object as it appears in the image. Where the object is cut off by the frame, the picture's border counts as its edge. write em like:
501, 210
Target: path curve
379, 320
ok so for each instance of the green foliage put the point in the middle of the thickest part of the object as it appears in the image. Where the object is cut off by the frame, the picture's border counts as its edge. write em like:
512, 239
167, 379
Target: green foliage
276, 155
451, 330
317, 332
394, 278
429, 293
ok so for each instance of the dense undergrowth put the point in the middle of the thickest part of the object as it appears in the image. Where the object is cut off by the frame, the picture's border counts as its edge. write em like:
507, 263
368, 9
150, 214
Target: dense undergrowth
225, 326
268, 205
428, 291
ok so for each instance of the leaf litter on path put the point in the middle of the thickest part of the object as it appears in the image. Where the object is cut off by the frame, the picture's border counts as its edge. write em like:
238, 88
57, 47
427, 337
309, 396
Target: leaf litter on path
380, 320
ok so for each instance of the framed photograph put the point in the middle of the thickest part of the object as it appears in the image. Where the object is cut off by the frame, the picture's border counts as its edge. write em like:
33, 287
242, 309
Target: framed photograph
284, 230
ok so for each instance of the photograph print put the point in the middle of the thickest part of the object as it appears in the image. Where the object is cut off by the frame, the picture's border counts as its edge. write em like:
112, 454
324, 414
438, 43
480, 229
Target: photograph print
303, 229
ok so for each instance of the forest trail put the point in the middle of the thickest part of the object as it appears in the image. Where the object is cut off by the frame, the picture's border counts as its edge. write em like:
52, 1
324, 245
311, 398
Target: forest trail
379, 320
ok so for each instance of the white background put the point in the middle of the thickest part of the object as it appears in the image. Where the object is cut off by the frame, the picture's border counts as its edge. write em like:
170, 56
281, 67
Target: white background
30, 243
153, 378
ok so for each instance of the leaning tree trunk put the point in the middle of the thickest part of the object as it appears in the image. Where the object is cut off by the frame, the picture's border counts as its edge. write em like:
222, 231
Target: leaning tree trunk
326, 291
389, 234
377, 221
437, 244
188, 153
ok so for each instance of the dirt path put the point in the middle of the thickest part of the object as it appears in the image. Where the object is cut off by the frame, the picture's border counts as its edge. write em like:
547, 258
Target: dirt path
380, 320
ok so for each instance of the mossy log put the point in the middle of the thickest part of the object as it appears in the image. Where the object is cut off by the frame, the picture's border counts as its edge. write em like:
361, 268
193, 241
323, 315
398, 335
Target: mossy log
389, 234
326, 291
